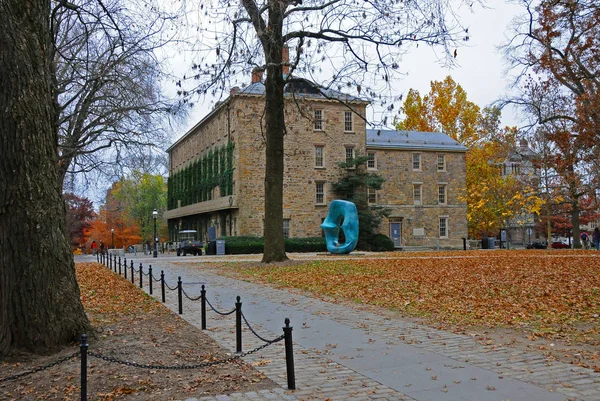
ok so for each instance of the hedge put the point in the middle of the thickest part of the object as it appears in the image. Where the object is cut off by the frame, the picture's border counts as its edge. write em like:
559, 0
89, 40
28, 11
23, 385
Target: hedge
249, 245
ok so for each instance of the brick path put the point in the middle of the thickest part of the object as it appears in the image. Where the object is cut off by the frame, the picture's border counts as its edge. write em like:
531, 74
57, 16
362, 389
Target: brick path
329, 367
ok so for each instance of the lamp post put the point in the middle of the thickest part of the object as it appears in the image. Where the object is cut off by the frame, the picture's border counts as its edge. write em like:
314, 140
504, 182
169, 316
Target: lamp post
155, 215
112, 234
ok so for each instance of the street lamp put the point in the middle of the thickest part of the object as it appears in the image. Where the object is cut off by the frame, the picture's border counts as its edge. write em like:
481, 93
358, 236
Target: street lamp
155, 215
112, 233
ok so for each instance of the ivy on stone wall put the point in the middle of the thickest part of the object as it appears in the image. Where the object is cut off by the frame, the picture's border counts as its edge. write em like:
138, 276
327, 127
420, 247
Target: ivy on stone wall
195, 182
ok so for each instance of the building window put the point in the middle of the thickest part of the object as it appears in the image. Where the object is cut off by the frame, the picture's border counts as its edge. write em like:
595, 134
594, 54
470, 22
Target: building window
286, 228
441, 163
318, 156
417, 194
349, 155
442, 194
416, 161
320, 193
443, 227
348, 121
318, 120
371, 164
515, 168
371, 196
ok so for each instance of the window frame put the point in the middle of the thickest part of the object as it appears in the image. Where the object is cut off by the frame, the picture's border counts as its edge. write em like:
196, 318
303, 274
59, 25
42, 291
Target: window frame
371, 196
320, 157
369, 160
420, 161
351, 149
443, 163
443, 194
418, 201
348, 123
320, 184
318, 121
286, 228
445, 227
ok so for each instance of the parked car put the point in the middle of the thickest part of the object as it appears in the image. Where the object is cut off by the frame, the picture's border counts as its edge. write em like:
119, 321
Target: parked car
559, 245
188, 243
537, 245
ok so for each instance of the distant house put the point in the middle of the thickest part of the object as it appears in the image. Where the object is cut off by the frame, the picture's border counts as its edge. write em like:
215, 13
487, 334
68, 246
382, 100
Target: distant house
519, 163
216, 170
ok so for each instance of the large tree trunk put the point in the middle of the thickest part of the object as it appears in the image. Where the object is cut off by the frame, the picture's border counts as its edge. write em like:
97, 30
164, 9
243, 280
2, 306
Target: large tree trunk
275, 129
40, 308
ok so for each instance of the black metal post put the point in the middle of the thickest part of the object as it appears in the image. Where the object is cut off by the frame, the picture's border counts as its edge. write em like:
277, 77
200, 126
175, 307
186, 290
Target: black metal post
203, 307
125, 269
150, 277
110, 262
141, 276
83, 346
162, 285
124, 264
180, 295
119, 265
464, 244
238, 325
289, 355
112, 245
132, 276
97, 257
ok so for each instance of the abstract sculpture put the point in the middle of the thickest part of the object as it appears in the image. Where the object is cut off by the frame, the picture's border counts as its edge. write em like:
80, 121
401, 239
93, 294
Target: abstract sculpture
342, 216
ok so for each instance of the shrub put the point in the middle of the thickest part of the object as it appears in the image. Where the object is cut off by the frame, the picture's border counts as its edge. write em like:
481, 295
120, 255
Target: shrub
381, 243
249, 245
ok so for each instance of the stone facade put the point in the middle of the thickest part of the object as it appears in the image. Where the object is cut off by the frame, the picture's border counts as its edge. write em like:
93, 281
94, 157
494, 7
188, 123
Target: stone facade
320, 134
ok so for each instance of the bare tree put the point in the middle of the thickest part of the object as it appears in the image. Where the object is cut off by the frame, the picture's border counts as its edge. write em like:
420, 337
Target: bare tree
554, 55
40, 307
108, 84
337, 44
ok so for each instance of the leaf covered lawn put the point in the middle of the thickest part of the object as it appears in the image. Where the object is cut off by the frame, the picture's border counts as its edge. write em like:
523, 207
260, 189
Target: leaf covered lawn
550, 292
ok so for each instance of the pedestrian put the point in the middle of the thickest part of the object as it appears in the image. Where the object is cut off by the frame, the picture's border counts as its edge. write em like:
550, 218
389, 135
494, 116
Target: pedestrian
596, 238
94, 247
585, 240
101, 248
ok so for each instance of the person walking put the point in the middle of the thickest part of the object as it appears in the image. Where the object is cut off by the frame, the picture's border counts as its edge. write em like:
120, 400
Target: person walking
585, 240
596, 238
94, 247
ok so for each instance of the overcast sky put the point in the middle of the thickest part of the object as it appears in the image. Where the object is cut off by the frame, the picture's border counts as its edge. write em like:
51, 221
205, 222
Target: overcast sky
481, 70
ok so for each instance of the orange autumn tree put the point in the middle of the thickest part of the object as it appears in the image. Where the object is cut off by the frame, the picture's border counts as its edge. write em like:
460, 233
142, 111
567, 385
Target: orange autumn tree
491, 199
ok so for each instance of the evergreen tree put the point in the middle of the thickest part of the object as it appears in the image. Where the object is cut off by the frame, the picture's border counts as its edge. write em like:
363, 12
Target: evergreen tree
353, 186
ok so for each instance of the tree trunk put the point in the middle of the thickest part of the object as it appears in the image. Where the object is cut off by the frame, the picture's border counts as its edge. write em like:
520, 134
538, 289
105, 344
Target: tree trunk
275, 129
40, 308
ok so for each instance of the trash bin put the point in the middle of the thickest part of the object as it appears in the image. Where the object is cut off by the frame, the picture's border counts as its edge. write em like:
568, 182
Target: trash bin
212, 248
485, 243
220, 247
492, 242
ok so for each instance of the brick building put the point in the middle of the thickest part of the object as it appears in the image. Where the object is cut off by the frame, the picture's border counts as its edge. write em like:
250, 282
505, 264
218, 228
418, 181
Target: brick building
216, 170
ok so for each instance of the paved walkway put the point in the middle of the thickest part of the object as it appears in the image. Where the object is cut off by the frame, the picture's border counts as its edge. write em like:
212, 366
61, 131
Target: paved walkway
349, 353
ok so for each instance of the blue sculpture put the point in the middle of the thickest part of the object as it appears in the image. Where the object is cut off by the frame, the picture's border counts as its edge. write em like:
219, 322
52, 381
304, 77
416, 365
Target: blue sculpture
342, 216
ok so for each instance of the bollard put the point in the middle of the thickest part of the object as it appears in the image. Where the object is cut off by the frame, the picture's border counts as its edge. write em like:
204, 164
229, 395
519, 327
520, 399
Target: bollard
464, 244
125, 270
132, 276
238, 325
97, 257
289, 355
118, 265
162, 284
83, 346
179, 295
150, 277
109, 262
203, 307
124, 264
141, 275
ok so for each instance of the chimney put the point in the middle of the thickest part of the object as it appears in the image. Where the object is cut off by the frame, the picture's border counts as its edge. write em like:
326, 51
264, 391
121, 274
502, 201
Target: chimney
257, 74
285, 59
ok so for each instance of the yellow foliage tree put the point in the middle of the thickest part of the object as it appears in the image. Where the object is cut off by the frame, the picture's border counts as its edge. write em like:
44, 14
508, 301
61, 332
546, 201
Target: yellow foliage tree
491, 199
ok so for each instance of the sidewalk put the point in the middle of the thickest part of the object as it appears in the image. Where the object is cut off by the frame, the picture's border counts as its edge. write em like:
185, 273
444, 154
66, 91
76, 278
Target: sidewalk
349, 353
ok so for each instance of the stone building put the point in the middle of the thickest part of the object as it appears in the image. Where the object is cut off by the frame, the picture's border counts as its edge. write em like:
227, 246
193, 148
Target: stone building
216, 170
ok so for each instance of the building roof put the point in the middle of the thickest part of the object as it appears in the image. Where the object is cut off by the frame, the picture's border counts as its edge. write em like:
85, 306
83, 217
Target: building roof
412, 140
302, 87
